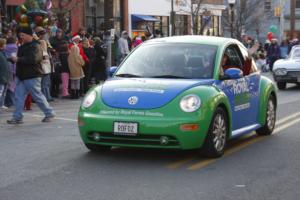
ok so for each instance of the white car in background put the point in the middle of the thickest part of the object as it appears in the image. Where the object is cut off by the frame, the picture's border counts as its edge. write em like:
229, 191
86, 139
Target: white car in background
288, 70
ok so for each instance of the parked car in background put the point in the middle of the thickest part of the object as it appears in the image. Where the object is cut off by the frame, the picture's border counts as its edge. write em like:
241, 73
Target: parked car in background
288, 70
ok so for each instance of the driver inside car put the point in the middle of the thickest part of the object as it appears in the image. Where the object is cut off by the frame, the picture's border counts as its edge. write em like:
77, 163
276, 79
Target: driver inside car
247, 64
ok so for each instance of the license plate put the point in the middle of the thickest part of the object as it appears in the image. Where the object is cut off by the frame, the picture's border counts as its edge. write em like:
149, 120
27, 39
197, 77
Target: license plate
125, 128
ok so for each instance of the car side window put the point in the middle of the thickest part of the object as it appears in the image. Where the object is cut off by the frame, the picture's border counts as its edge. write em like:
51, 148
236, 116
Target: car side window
230, 59
234, 58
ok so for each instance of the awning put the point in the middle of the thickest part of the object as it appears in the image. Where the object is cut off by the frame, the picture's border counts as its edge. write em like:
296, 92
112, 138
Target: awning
147, 18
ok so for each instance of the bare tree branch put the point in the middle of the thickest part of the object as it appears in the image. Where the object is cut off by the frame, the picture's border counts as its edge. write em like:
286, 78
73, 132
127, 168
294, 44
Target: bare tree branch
249, 15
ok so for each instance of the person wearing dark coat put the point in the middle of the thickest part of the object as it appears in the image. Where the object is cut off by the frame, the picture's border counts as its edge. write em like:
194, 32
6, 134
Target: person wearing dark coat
87, 69
60, 44
99, 66
64, 70
4, 73
273, 53
29, 72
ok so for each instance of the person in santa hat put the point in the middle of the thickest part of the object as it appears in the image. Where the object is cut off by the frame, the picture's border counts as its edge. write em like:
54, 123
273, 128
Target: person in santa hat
76, 63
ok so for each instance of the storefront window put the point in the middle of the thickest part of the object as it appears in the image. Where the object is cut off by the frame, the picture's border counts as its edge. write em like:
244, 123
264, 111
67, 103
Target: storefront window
161, 25
94, 14
181, 24
216, 25
11, 12
165, 26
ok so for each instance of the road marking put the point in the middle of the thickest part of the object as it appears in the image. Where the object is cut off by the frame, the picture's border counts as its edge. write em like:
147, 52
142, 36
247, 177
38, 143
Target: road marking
284, 126
202, 164
241, 146
179, 163
240, 186
251, 139
285, 119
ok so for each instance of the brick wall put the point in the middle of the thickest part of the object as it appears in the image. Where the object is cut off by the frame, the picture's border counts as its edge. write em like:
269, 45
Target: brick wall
125, 15
14, 2
76, 8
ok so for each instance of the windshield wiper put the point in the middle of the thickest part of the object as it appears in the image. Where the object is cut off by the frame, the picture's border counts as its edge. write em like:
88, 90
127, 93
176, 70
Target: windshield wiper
167, 76
127, 75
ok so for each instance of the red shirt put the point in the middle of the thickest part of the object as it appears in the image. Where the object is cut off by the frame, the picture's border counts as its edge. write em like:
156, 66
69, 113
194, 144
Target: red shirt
82, 54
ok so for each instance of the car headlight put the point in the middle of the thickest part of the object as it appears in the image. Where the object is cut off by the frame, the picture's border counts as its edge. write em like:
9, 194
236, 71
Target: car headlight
280, 72
89, 99
190, 103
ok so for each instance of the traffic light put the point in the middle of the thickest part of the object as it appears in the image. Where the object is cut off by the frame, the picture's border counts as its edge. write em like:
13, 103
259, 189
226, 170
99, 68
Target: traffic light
277, 11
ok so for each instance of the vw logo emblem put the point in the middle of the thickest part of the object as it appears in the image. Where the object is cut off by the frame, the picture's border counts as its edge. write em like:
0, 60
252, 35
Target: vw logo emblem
133, 100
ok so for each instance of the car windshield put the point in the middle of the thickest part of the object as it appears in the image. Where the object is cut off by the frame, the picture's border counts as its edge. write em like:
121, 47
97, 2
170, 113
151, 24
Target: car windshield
170, 60
296, 54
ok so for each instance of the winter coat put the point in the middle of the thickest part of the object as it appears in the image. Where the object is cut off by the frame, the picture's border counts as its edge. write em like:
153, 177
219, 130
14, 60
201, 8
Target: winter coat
4, 69
82, 54
100, 58
76, 63
90, 53
273, 52
10, 50
58, 44
64, 62
30, 56
46, 63
62, 49
123, 46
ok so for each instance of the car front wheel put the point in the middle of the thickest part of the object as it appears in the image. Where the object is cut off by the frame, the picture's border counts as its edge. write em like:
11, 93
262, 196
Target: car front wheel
269, 125
281, 85
215, 141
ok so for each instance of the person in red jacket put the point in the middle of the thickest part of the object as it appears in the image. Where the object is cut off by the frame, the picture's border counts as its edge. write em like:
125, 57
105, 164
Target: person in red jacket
76, 40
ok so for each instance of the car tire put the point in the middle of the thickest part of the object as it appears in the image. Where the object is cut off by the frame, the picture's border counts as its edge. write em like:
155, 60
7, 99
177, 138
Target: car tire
215, 142
269, 125
97, 148
281, 85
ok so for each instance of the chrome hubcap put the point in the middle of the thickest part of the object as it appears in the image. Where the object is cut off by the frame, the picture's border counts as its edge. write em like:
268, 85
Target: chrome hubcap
219, 132
271, 115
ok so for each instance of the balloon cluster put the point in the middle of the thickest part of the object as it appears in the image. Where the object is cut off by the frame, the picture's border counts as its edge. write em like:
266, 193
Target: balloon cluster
272, 30
33, 13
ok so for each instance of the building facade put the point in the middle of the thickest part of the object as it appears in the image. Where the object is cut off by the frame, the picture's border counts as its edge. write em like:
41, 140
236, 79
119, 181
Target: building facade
100, 15
135, 16
156, 16
288, 17
271, 13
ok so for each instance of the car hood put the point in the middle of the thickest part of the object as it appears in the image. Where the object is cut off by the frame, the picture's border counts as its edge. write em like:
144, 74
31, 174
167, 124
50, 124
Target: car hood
288, 64
138, 93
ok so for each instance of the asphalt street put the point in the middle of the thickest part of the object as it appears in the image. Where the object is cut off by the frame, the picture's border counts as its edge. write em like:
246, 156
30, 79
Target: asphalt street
48, 161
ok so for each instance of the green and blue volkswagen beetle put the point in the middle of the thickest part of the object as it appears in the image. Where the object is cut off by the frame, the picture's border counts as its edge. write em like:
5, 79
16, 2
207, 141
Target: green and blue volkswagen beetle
176, 93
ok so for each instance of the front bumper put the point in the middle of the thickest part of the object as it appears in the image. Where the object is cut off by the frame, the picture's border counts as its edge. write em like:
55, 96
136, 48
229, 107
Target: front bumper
290, 77
151, 129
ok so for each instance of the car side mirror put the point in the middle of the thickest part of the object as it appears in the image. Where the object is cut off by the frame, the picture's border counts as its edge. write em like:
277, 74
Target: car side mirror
112, 70
232, 73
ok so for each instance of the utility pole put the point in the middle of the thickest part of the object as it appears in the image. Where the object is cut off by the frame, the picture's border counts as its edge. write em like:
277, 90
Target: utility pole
172, 18
231, 5
281, 20
292, 18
